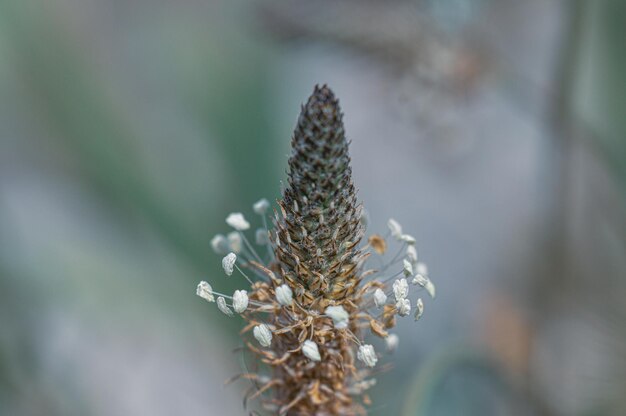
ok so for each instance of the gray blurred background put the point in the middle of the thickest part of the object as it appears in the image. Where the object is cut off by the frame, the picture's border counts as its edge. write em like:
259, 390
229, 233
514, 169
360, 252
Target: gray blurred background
494, 131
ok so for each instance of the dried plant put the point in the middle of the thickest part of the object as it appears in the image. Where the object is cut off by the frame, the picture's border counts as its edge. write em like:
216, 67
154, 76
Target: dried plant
313, 299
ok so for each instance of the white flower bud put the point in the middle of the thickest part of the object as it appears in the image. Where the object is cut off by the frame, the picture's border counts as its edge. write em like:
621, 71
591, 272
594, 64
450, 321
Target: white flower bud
367, 354
392, 342
219, 244
407, 267
261, 237
404, 307
263, 334
309, 349
235, 242
240, 301
395, 228
260, 207
284, 295
228, 263
419, 309
379, 298
409, 239
339, 316
400, 289
221, 305
237, 221
205, 291
411, 254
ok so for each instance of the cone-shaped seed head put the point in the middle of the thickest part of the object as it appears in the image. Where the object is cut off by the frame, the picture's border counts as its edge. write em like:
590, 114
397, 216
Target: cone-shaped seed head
321, 226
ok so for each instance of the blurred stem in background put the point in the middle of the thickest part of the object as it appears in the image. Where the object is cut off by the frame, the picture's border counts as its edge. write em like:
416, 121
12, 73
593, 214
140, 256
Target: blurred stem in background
99, 139
98, 129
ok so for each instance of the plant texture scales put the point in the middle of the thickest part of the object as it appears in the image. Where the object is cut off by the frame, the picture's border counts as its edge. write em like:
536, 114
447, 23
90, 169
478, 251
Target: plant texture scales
312, 298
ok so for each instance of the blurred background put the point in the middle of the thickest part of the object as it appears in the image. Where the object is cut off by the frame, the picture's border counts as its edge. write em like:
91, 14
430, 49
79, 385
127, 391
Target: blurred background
493, 131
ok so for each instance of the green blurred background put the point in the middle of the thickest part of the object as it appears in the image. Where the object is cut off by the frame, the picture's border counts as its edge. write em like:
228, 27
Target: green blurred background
494, 131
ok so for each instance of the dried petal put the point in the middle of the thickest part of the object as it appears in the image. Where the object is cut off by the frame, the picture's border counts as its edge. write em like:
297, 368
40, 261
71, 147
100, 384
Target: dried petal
389, 316
377, 328
378, 243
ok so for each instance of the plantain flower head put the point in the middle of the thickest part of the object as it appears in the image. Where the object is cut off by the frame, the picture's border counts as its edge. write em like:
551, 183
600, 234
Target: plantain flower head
312, 297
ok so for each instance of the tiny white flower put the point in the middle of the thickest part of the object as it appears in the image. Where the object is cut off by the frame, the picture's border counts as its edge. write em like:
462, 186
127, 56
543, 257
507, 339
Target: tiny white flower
367, 354
263, 334
205, 291
407, 267
420, 280
422, 269
234, 242
419, 309
400, 289
395, 228
240, 301
411, 254
309, 349
260, 207
392, 342
221, 305
284, 295
237, 221
409, 239
430, 288
404, 307
228, 263
379, 298
219, 244
261, 236
339, 316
